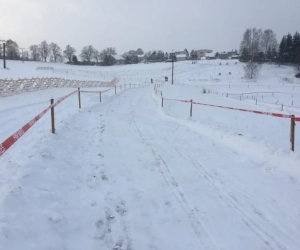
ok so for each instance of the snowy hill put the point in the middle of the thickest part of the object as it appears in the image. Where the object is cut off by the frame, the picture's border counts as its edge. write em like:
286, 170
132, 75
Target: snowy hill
129, 174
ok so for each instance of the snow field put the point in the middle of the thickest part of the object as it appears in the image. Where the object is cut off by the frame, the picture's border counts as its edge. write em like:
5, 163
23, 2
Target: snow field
129, 174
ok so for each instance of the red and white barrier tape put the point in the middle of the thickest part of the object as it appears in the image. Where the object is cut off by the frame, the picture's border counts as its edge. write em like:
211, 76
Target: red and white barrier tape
263, 93
95, 91
4, 146
244, 110
177, 100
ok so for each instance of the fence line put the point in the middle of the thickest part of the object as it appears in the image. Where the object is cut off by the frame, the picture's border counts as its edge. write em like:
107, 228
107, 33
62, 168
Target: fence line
11, 140
292, 117
4, 146
11, 87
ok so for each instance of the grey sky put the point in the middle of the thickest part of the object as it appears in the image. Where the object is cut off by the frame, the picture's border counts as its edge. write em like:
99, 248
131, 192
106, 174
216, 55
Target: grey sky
149, 24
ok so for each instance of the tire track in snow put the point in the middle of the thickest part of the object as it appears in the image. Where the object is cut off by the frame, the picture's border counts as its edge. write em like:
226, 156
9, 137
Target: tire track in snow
179, 195
230, 199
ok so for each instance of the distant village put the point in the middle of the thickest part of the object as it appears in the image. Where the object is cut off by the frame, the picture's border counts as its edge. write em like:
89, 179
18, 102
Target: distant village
176, 55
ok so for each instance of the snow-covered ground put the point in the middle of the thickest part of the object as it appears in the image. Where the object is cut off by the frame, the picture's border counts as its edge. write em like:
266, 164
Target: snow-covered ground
128, 174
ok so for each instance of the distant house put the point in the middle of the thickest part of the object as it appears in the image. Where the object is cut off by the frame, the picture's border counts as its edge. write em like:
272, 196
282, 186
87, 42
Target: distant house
232, 53
210, 56
181, 57
223, 55
203, 52
142, 58
235, 57
119, 59
156, 57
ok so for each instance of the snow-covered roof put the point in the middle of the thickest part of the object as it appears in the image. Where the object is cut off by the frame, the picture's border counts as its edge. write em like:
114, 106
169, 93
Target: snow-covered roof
141, 56
118, 57
210, 54
181, 55
223, 53
177, 51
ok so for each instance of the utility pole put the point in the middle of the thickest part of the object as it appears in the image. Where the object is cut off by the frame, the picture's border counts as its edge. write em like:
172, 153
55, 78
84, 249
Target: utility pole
4, 56
22, 55
172, 70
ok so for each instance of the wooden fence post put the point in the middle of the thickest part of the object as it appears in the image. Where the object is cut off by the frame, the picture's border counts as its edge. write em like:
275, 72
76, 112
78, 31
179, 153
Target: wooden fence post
282, 107
115, 89
162, 102
227, 95
160, 93
292, 139
100, 96
52, 117
79, 98
191, 109
256, 101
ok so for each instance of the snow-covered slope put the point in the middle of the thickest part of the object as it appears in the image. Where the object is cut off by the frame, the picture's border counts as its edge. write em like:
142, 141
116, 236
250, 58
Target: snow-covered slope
129, 174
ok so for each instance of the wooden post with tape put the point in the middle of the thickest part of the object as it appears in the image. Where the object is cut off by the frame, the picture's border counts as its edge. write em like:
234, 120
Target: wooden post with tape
52, 117
292, 139
162, 102
79, 98
191, 109
100, 96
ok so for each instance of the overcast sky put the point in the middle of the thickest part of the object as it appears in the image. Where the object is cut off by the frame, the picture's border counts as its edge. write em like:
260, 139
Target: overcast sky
146, 24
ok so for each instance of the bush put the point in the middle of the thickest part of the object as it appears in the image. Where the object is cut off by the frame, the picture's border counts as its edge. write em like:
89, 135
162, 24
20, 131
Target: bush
252, 70
298, 75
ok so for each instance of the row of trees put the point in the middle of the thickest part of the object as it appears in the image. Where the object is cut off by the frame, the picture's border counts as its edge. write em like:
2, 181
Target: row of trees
289, 49
89, 55
40, 52
260, 46
44, 50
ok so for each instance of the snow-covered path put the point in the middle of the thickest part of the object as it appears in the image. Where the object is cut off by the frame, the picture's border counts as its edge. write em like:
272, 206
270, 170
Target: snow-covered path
123, 175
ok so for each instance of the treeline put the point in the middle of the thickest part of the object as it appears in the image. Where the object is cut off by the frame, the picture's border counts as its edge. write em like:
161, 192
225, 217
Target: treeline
262, 46
289, 49
52, 52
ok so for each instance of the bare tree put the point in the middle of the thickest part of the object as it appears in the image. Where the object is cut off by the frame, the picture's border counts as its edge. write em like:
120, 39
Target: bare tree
139, 51
56, 51
251, 41
252, 70
26, 55
44, 50
87, 53
268, 41
107, 52
12, 49
69, 52
96, 55
34, 52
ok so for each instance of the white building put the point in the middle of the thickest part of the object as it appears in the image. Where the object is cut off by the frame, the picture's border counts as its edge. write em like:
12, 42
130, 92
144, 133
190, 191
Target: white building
203, 52
142, 58
210, 56
119, 59
181, 57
